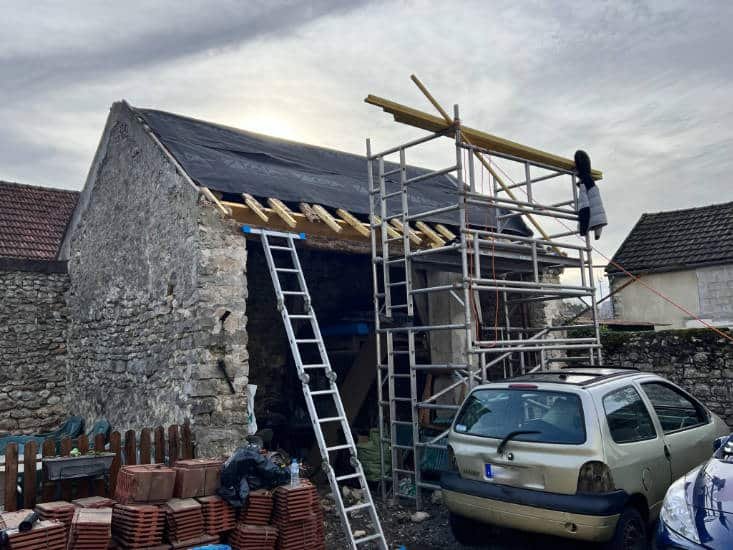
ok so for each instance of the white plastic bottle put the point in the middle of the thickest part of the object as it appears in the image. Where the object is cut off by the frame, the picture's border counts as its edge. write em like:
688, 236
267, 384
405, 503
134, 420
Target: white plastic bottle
294, 473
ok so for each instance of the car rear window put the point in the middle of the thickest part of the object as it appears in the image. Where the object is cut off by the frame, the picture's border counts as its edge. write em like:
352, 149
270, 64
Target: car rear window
556, 417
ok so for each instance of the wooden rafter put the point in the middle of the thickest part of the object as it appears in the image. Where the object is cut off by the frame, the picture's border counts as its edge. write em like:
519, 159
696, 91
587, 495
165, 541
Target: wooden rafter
283, 211
256, 207
391, 231
414, 238
430, 233
353, 222
326, 218
307, 211
443, 230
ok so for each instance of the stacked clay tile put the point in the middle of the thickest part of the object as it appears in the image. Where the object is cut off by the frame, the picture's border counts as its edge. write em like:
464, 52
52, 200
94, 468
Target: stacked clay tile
259, 508
299, 527
138, 526
91, 529
58, 510
94, 502
183, 520
145, 484
45, 534
218, 515
251, 537
197, 477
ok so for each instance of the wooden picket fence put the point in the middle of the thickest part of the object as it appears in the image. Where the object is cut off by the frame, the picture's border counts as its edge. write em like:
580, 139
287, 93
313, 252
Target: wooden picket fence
155, 446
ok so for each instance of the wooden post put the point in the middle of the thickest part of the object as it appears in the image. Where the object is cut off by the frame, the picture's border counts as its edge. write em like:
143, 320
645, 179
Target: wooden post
115, 444
82, 485
49, 487
29, 474
159, 445
99, 488
145, 446
173, 444
66, 484
11, 477
130, 448
186, 440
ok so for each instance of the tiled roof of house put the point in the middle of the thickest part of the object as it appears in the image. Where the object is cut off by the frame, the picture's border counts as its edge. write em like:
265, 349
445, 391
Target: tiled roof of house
678, 240
33, 220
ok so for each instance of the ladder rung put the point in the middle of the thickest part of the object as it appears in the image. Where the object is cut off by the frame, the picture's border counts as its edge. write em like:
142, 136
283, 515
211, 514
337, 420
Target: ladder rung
356, 507
402, 422
398, 446
323, 392
330, 419
294, 293
399, 375
278, 247
402, 399
395, 260
347, 476
401, 471
400, 283
432, 486
405, 495
287, 270
298, 316
315, 366
438, 406
307, 341
362, 540
338, 447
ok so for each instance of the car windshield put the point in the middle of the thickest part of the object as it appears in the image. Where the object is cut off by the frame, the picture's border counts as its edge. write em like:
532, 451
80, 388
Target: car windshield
553, 417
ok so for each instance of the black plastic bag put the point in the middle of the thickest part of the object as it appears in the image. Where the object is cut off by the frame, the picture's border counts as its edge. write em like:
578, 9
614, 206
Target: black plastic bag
247, 470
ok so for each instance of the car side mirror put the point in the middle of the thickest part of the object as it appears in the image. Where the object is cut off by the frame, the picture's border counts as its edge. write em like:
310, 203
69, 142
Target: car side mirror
719, 442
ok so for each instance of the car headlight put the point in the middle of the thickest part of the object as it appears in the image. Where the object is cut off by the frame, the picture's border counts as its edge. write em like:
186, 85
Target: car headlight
676, 512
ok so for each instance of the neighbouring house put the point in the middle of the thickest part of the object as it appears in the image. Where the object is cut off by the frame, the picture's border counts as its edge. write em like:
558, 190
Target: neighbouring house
687, 255
33, 313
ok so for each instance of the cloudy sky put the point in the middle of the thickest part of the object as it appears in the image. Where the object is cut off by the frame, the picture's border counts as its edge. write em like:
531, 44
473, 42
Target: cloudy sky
644, 87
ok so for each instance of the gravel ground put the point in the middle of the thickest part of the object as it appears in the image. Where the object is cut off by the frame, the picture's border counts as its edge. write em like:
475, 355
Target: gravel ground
434, 533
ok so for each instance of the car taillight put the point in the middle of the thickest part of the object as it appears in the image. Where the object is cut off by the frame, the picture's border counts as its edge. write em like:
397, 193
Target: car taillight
595, 477
452, 464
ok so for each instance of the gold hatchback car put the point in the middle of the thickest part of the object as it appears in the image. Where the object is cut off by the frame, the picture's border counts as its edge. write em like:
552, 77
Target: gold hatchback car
583, 453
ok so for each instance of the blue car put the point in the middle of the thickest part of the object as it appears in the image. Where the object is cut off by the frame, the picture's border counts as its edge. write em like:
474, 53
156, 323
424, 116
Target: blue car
698, 509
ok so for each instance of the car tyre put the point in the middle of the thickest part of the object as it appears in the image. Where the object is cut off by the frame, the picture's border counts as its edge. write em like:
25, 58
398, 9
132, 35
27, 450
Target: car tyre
466, 531
631, 532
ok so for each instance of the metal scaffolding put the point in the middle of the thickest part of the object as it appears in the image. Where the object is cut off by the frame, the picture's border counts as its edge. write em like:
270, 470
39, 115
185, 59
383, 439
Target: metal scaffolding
495, 276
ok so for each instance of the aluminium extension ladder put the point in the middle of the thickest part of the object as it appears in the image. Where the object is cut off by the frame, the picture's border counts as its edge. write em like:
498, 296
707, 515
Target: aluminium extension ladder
312, 373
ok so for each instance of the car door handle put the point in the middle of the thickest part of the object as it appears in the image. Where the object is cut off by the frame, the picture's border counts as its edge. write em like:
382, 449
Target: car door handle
667, 453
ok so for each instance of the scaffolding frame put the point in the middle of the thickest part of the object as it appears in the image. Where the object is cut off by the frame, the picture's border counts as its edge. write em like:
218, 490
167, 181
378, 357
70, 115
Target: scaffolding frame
490, 351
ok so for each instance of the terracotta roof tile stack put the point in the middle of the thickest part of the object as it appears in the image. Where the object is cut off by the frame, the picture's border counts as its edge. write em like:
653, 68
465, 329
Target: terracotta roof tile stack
58, 510
145, 483
259, 508
299, 526
218, 515
91, 529
183, 520
94, 502
194, 543
138, 526
261, 537
197, 477
45, 534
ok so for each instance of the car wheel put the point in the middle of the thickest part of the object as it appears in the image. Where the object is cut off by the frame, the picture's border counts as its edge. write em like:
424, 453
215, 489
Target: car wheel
630, 532
466, 531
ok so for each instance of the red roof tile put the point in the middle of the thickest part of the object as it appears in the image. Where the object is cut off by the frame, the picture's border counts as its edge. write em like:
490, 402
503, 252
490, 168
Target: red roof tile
33, 220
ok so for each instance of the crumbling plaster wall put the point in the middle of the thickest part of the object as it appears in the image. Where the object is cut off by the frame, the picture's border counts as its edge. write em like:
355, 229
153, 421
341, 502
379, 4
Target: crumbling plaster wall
33, 319
153, 273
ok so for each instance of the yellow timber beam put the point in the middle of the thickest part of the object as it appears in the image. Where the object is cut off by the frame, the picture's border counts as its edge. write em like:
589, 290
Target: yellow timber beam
432, 123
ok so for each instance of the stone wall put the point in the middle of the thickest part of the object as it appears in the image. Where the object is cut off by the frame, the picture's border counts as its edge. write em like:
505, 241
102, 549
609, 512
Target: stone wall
157, 297
698, 360
33, 318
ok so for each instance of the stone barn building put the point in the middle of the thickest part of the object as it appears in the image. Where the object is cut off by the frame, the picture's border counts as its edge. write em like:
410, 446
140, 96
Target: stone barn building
169, 311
